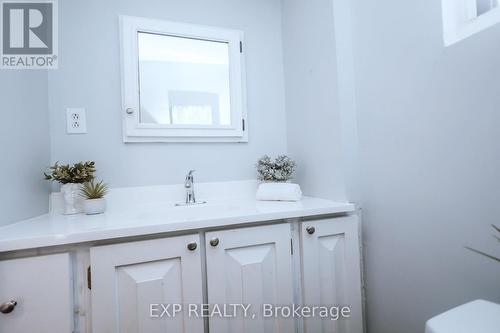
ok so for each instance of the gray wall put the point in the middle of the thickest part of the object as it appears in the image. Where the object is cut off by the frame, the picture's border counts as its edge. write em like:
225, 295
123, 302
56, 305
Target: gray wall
89, 76
312, 99
430, 156
24, 146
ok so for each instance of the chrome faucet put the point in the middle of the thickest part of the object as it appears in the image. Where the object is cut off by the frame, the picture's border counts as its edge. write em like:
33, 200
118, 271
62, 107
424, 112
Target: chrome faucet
189, 186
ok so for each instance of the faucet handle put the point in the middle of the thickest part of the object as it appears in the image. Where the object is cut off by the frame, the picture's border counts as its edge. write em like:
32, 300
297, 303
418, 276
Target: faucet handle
189, 176
189, 179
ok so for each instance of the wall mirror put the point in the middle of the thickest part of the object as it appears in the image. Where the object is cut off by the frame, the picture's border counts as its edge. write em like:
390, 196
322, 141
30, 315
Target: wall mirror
182, 82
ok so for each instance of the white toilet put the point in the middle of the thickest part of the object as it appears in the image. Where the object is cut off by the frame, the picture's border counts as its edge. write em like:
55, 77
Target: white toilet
475, 317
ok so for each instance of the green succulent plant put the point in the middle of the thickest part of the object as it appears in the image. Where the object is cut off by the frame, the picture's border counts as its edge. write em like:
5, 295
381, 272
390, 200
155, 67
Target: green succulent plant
92, 190
78, 173
497, 237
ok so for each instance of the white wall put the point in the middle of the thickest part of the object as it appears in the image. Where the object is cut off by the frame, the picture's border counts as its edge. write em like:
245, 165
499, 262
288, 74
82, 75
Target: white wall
429, 151
89, 76
425, 169
24, 146
312, 96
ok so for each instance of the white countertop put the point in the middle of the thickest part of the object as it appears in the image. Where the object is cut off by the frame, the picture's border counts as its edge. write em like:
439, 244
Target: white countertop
146, 218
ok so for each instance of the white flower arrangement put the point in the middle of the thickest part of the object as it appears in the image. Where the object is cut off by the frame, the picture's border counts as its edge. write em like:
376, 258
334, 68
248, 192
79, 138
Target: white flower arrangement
281, 169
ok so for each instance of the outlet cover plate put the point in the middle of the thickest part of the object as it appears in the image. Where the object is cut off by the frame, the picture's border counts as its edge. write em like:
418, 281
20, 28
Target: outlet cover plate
76, 121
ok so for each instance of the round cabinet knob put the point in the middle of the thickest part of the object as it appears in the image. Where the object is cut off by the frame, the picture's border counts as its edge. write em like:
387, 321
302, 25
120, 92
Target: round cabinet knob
192, 246
129, 111
311, 230
214, 242
8, 307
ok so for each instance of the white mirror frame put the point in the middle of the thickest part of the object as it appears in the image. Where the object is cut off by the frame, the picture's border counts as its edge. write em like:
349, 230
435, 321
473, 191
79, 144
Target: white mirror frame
134, 131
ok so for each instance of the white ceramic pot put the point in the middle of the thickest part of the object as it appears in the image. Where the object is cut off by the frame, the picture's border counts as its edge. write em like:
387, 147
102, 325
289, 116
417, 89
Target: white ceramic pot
94, 206
73, 202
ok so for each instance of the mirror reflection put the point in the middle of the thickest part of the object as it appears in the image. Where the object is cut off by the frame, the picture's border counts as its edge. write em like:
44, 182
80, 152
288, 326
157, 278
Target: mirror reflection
183, 81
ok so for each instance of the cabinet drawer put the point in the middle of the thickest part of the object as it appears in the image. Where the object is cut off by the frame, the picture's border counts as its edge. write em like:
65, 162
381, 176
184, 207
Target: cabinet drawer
42, 288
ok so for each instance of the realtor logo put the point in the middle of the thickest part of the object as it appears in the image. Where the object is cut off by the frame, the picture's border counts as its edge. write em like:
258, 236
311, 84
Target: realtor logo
29, 34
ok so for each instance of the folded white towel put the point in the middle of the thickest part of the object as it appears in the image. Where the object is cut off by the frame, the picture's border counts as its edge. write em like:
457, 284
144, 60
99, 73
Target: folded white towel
279, 192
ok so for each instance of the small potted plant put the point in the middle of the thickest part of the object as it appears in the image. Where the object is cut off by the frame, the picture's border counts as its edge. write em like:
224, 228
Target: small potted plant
276, 176
94, 193
279, 170
71, 178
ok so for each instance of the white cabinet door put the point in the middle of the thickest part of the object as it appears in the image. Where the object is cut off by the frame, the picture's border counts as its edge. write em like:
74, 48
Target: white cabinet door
42, 288
331, 272
250, 266
128, 278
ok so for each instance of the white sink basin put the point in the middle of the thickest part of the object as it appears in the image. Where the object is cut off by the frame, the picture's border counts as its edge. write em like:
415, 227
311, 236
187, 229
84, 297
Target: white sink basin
189, 212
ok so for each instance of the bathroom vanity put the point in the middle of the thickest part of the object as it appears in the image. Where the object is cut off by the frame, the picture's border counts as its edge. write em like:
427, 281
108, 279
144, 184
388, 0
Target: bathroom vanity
102, 273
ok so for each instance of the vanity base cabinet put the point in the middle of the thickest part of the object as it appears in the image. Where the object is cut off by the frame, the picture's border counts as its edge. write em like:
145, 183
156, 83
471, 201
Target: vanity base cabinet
257, 271
131, 281
250, 266
331, 273
38, 292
